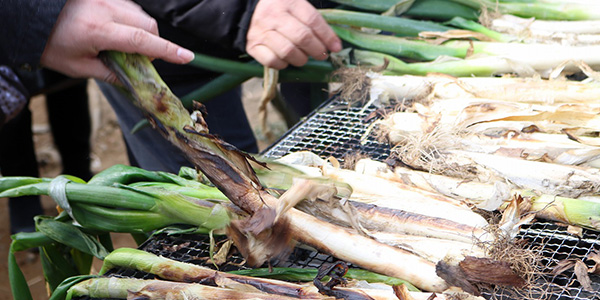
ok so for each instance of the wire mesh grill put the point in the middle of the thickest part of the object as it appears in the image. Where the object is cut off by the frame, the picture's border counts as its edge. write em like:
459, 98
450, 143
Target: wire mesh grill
338, 130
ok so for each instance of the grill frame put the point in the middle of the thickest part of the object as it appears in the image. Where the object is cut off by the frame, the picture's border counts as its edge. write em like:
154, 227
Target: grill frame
353, 125
336, 129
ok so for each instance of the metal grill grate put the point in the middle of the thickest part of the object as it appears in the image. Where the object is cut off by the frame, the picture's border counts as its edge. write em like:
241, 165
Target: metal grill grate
334, 129
337, 130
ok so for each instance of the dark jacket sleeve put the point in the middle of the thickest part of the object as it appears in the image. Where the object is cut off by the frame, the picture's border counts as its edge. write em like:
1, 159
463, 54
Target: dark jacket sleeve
222, 22
24, 30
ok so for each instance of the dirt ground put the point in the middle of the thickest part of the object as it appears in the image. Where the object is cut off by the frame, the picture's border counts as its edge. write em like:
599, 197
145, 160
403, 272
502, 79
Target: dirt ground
107, 149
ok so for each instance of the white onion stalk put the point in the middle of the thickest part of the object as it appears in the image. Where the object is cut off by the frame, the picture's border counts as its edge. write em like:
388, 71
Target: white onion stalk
388, 194
585, 32
548, 119
465, 112
583, 211
547, 178
567, 154
363, 251
396, 195
367, 217
432, 249
522, 90
370, 218
487, 196
502, 137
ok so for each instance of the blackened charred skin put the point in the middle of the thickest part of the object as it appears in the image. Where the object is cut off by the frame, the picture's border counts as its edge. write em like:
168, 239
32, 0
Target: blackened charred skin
200, 107
271, 288
158, 99
275, 238
216, 161
210, 281
454, 276
157, 124
486, 270
224, 145
137, 296
336, 271
114, 67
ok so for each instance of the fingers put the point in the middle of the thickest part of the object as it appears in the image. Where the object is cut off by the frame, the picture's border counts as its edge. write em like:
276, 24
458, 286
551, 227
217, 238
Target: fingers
266, 57
312, 19
288, 32
129, 13
302, 37
285, 49
136, 40
90, 68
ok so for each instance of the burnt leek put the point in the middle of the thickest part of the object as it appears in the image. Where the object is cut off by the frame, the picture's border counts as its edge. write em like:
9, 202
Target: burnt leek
229, 170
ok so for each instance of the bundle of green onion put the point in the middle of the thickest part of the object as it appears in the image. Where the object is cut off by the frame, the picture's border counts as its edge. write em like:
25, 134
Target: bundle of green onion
118, 199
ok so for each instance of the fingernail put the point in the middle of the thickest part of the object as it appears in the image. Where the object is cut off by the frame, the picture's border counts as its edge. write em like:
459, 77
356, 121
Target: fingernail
185, 54
337, 46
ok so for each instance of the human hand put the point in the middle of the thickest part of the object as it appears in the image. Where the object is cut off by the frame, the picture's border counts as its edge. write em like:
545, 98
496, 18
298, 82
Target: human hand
86, 27
286, 32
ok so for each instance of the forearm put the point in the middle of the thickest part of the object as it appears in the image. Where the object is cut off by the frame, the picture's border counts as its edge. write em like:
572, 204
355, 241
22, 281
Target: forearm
24, 30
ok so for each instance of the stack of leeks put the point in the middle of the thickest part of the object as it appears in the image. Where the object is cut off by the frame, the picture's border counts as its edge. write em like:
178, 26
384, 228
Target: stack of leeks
274, 219
178, 280
389, 228
535, 138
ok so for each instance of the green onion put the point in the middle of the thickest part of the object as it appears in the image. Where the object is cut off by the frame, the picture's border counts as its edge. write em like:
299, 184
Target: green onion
474, 26
372, 5
580, 212
129, 288
61, 292
441, 10
308, 73
541, 57
485, 66
125, 175
399, 26
396, 46
214, 88
133, 209
308, 274
22, 241
540, 9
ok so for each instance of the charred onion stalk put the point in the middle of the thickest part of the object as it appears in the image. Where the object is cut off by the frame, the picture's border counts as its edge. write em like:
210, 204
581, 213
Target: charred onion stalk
176, 271
230, 171
172, 270
128, 288
183, 272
